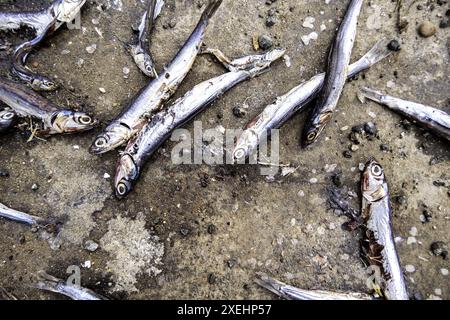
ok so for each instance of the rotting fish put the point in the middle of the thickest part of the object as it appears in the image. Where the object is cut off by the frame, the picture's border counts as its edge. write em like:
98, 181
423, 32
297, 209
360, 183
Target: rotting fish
140, 51
152, 97
195, 101
296, 100
434, 119
44, 22
338, 63
291, 293
7, 119
379, 246
22, 217
27, 103
53, 284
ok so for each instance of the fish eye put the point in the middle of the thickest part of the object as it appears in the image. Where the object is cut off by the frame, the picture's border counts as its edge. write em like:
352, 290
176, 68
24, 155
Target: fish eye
85, 119
8, 116
377, 170
239, 153
122, 189
101, 142
49, 83
311, 136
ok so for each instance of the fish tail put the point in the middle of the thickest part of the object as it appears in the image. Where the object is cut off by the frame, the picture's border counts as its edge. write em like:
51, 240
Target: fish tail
372, 94
211, 9
379, 52
47, 282
158, 8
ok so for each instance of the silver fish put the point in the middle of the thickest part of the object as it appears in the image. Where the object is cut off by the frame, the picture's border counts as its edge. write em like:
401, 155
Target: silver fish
379, 244
152, 97
7, 119
338, 63
434, 119
27, 103
53, 284
296, 100
22, 217
195, 101
35, 81
44, 22
140, 51
291, 293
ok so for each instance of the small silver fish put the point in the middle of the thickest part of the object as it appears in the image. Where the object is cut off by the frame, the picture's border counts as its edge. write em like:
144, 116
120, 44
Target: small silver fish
140, 51
7, 119
53, 284
339, 60
379, 245
434, 119
195, 101
296, 100
14, 215
291, 293
152, 97
27, 103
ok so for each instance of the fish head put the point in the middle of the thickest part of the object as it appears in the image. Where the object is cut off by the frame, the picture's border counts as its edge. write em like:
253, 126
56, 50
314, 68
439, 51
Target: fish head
113, 137
313, 131
43, 84
127, 173
67, 121
246, 144
145, 63
373, 184
7, 115
273, 55
67, 10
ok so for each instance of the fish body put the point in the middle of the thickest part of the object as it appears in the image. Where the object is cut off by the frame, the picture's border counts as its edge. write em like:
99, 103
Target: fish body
195, 101
52, 284
379, 244
152, 97
36, 20
140, 51
434, 119
296, 100
291, 293
27, 103
21, 217
7, 119
338, 63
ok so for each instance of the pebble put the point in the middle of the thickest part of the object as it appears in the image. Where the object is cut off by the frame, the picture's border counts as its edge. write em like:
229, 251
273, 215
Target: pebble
394, 45
4, 173
411, 240
87, 264
427, 29
413, 232
439, 249
345, 257
410, 268
102, 90
34, 187
126, 71
212, 229
444, 272
212, 279
91, 49
91, 246
301, 193
239, 112
106, 176
438, 292
309, 22
313, 180
265, 42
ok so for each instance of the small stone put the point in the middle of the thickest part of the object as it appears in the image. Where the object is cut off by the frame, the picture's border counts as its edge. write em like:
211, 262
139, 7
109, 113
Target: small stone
212, 279
410, 268
239, 112
212, 229
301, 193
87, 264
91, 49
126, 71
102, 90
91, 246
184, 231
265, 42
411, 240
4, 173
345, 257
313, 180
413, 232
427, 29
444, 272
348, 154
439, 249
106, 176
354, 148
337, 180
35, 187
394, 45
231, 263
438, 292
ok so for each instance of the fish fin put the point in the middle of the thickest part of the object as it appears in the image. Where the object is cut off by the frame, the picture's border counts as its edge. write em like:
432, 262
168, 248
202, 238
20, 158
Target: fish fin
44, 276
220, 56
378, 52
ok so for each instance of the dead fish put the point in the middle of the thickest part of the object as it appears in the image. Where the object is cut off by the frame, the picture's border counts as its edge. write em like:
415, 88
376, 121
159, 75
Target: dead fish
296, 100
379, 245
22, 217
291, 293
152, 97
140, 51
434, 119
53, 284
44, 22
338, 63
195, 101
27, 103
7, 119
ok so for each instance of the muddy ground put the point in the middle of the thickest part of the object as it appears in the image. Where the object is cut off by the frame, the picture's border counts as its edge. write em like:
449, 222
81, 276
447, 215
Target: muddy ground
179, 235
